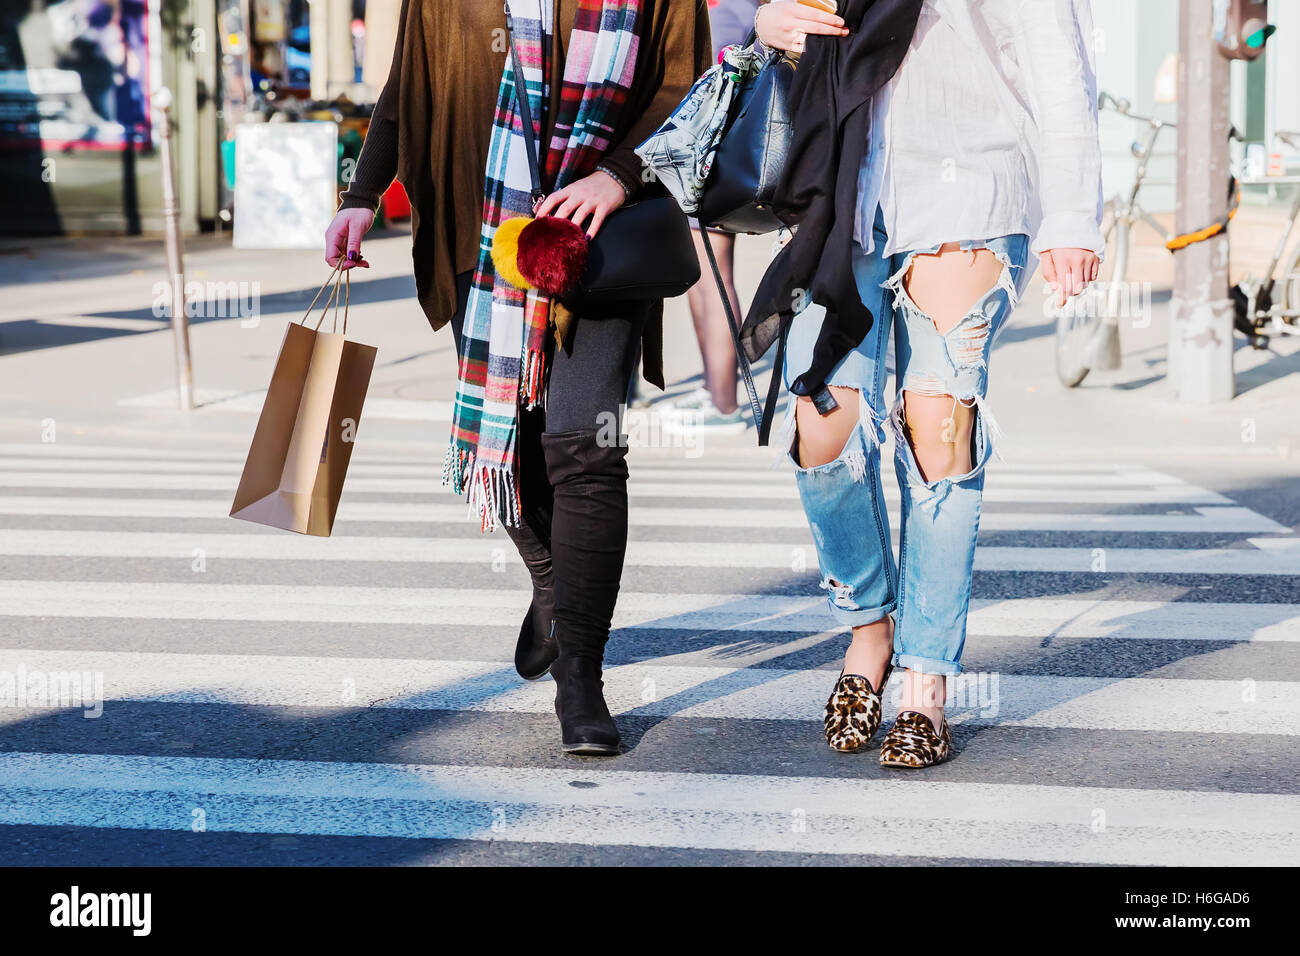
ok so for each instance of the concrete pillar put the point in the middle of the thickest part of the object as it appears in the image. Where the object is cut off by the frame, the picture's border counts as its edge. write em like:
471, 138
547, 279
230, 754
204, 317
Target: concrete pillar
1200, 328
180, 77
332, 62
206, 50
381, 35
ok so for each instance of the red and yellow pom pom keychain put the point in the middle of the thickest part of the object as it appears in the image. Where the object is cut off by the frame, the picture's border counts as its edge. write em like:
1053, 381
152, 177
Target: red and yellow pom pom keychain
545, 253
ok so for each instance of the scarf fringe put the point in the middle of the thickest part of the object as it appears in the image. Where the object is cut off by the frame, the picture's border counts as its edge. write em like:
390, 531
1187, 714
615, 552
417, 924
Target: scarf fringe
492, 493
455, 466
530, 388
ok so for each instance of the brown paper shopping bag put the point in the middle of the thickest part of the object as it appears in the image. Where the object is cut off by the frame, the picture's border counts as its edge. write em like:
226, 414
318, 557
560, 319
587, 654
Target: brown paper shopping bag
294, 473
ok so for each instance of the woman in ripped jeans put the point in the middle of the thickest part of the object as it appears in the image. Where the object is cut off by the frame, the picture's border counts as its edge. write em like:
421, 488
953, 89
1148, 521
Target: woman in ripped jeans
982, 155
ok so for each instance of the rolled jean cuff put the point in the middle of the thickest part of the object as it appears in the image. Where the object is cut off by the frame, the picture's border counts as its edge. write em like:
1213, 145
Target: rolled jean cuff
927, 665
856, 617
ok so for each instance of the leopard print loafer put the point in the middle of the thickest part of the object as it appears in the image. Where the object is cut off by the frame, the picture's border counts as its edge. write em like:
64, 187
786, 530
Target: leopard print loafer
912, 742
853, 714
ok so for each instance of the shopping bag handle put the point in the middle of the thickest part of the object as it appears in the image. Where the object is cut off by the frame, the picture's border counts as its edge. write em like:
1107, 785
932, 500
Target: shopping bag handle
339, 276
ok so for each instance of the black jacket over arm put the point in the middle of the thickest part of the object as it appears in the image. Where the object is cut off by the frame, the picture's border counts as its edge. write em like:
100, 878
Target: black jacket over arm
831, 102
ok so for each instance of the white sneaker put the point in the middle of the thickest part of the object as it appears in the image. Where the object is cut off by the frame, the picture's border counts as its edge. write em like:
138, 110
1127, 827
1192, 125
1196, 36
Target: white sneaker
690, 403
708, 418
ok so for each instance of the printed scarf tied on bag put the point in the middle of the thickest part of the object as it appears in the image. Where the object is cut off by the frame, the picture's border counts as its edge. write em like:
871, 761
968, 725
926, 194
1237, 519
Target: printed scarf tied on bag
504, 339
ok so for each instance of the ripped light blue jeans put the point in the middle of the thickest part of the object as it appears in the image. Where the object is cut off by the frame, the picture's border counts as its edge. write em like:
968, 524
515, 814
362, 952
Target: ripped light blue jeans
929, 587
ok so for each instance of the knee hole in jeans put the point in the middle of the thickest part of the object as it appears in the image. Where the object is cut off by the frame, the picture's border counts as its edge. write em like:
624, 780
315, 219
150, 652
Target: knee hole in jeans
973, 319
829, 438
941, 447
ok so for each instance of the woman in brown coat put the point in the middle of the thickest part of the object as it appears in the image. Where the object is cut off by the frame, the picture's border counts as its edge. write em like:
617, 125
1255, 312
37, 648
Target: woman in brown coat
600, 76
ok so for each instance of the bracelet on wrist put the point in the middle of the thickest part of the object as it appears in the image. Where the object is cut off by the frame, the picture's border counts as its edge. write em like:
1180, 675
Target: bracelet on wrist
627, 190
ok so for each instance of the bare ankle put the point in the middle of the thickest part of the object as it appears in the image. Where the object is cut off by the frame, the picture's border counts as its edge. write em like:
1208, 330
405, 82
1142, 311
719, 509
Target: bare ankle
924, 694
876, 631
870, 651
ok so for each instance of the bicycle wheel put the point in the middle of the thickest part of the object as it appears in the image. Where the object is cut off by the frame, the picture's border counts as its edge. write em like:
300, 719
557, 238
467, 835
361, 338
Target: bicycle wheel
1074, 330
1078, 323
1288, 288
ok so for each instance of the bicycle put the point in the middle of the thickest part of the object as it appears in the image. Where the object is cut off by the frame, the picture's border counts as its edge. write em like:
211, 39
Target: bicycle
1086, 338
1254, 310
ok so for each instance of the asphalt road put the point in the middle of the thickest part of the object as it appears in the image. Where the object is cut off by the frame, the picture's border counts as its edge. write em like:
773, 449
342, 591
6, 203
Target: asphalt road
1133, 658
1131, 694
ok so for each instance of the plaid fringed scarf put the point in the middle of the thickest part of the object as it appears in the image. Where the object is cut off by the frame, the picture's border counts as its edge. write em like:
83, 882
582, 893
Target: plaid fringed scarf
503, 344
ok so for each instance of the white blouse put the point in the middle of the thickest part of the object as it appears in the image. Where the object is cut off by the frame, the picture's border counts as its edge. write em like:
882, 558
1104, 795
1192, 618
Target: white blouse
989, 128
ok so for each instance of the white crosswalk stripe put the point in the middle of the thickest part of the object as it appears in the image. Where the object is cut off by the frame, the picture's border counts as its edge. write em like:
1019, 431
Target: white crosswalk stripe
665, 690
755, 489
1129, 478
1264, 556
712, 811
94, 541
1032, 619
1202, 520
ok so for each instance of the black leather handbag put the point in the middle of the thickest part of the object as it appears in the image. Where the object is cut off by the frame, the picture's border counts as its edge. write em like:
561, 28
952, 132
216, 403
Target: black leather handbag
642, 251
752, 153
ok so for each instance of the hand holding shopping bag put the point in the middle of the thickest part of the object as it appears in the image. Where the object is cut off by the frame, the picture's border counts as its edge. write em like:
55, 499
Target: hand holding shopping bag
294, 473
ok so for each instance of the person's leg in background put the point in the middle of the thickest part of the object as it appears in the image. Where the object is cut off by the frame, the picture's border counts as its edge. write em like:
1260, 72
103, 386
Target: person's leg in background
587, 468
951, 302
535, 648
713, 332
711, 327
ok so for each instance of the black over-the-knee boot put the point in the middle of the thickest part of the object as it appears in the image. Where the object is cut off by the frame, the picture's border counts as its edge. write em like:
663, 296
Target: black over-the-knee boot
535, 650
588, 543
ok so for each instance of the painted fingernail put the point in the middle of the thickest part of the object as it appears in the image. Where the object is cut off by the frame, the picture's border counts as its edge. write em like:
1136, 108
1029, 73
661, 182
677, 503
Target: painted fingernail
352, 255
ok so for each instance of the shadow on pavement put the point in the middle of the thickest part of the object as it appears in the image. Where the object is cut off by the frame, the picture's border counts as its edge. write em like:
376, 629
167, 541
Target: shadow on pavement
23, 335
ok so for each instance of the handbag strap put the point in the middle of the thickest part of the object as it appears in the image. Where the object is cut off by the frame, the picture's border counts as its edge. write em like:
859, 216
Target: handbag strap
525, 112
339, 276
763, 414
774, 386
